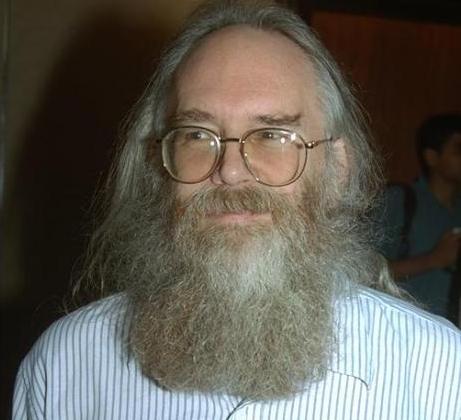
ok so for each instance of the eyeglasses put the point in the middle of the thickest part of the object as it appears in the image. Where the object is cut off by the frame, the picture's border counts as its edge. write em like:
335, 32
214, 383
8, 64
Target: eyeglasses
274, 156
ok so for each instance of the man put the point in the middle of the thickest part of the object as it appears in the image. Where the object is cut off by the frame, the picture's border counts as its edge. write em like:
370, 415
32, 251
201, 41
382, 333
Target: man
426, 263
238, 240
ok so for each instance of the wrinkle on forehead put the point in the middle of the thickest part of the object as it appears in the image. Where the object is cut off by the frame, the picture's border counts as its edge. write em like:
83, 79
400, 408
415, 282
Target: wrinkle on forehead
197, 116
240, 61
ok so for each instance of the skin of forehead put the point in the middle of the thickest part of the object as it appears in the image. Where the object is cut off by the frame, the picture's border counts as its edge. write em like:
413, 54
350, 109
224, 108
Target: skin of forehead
237, 74
240, 61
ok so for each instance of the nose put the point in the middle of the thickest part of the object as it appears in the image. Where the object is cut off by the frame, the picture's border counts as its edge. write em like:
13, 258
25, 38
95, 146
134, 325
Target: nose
231, 170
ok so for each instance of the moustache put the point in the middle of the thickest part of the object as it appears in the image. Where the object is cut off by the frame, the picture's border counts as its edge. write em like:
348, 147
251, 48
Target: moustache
224, 200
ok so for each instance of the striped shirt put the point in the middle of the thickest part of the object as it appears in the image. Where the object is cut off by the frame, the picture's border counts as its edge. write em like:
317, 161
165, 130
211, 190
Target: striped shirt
393, 362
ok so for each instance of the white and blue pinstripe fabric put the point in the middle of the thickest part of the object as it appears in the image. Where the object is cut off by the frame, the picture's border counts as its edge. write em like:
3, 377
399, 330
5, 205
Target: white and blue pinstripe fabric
394, 362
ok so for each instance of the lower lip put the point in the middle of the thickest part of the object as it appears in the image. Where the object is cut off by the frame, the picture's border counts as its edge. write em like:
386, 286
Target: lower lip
240, 218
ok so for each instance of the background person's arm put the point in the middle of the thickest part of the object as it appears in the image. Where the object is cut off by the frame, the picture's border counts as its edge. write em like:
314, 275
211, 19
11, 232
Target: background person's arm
443, 255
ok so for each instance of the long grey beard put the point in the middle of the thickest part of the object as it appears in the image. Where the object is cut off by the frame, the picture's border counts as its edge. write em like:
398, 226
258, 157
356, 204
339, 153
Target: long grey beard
246, 310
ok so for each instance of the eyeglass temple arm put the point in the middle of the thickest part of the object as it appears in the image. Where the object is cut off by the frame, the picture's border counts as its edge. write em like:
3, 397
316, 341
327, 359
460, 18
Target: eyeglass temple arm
308, 145
313, 143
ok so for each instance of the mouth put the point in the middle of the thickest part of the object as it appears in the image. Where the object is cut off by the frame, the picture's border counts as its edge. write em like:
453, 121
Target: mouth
240, 218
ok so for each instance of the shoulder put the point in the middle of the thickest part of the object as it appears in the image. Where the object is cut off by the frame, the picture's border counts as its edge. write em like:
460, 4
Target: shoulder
78, 334
103, 316
73, 354
404, 318
410, 337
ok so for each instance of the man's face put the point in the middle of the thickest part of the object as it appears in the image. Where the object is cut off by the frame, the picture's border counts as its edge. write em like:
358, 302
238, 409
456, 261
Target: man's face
240, 79
447, 163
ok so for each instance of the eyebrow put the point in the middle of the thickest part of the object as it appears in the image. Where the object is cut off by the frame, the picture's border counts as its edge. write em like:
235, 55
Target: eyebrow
193, 115
279, 120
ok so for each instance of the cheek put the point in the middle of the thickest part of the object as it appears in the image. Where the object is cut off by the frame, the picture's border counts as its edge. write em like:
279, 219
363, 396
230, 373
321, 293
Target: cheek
313, 172
293, 192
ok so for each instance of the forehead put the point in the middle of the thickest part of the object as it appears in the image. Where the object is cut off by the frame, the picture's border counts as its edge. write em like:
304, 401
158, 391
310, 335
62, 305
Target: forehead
251, 70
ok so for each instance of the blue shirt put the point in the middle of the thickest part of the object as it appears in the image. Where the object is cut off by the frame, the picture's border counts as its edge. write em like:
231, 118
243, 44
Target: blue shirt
430, 222
392, 362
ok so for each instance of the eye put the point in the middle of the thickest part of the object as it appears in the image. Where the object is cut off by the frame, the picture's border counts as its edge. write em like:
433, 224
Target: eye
269, 135
195, 137
195, 134
273, 137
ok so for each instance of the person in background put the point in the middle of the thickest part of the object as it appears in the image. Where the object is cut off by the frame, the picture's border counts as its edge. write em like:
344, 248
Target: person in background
423, 222
236, 255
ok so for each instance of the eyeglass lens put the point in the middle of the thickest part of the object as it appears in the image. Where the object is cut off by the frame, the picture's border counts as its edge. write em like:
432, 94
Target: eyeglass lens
273, 156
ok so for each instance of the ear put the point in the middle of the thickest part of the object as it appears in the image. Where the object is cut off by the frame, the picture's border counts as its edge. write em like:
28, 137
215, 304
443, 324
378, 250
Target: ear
431, 157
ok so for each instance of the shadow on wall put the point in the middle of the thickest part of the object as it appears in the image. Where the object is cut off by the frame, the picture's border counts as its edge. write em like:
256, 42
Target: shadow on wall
67, 150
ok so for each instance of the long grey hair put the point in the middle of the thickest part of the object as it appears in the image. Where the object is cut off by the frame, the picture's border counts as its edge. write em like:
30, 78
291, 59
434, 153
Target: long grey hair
343, 118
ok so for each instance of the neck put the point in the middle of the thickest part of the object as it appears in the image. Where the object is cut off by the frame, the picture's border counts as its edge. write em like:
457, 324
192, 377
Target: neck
444, 191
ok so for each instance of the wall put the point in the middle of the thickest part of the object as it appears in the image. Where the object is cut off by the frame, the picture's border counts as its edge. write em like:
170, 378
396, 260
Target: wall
404, 71
75, 68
